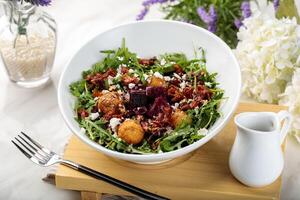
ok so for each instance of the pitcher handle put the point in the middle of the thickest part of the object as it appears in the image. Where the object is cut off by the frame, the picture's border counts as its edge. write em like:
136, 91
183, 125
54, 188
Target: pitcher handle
287, 118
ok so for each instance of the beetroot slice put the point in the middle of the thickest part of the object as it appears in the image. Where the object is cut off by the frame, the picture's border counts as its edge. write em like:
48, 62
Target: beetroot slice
140, 110
157, 106
155, 91
137, 98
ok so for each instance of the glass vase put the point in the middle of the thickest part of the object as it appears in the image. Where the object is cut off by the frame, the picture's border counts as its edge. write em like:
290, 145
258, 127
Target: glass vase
27, 43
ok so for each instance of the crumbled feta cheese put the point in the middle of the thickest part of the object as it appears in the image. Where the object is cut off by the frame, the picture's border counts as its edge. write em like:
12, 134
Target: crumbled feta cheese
96, 98
119, 70
110, 80
208, 84
167, 78
94, 116
184, 77
105, 91
135, 75
202, 131
131, 85
117, 76
119, 92
146, 76
158, 75
120, 58
113, 123
182, 85
175, 106
115, 135
112, 87
177, 76
163, 61
169, 129
183, 101
126, 96
82, 130
131, 71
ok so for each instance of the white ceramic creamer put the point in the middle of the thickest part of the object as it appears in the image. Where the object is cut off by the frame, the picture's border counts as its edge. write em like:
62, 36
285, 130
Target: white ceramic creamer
256, 158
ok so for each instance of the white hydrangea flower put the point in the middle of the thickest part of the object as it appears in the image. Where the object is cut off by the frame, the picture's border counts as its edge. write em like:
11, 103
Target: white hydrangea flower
291, 98
268, 53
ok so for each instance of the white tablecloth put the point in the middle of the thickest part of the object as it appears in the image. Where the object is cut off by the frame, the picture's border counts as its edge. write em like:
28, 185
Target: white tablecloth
35, 111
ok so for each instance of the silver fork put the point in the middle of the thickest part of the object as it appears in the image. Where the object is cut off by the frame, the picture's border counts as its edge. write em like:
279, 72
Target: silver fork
45, 157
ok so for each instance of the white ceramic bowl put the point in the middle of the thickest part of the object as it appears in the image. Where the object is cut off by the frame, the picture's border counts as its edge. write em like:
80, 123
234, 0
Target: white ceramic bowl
150, 38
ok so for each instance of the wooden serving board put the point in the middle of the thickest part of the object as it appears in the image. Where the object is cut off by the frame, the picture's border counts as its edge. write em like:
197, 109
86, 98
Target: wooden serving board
203, 174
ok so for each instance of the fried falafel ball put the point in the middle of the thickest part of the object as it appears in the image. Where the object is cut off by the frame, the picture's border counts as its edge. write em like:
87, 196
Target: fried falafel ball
157, 82
109, 102
179, 117
131, 132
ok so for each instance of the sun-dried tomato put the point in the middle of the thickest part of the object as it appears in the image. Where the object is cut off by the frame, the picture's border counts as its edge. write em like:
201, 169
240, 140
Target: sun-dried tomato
124, 70
140, 118
147, 62
110, 72
175, 82
94, 78
83, 113
174, 94
99, 78
203, 92
145, 126
185, 106
96, 93
178, 69
126, 79
188, 92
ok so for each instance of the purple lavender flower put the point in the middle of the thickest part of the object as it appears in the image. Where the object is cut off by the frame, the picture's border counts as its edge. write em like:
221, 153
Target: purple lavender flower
151, 2
210, 18
212, 25
142, 14
146, 4
39, 2
276, 4
238, 23
246, 11
203, 15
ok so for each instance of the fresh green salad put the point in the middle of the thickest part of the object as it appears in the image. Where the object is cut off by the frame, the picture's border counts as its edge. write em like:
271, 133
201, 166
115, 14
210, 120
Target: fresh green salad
146, 105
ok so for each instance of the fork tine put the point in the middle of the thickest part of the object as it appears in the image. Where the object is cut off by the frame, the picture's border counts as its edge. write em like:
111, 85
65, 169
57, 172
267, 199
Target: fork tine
41, 149
31, 140
27, 143
22, 150
33, 154
30, 151
38, 151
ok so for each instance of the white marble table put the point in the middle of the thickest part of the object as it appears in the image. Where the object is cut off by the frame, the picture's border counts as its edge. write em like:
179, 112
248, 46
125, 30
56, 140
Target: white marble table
35, 111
